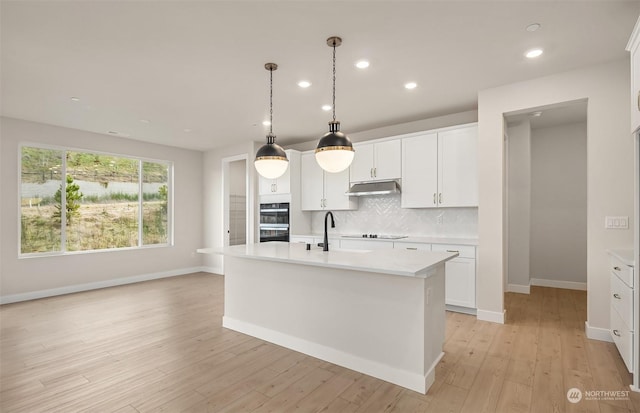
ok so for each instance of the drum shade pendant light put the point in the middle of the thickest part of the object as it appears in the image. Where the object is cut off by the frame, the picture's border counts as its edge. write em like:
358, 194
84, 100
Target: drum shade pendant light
334, 152
271, 160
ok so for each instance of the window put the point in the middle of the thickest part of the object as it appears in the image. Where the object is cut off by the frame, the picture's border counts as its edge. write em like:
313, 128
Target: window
110, 201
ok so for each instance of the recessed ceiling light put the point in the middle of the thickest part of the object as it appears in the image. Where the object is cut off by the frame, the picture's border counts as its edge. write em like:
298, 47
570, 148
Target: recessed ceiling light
362, 64
112, 132
266, 123
304, 84
410, 85
533, 27
533, 53
75, 99
187, 130
144, 121
536, 114
326, 108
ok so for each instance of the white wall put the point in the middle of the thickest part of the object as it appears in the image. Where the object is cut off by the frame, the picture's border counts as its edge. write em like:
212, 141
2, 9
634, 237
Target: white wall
559, 205
519, 203
609, 176
29, 277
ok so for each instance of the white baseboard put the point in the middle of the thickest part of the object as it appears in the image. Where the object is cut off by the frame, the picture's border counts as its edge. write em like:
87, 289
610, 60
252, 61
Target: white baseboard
407, 379
33, 295
597, 333
213, 270
493, 316
568, 285
518, 288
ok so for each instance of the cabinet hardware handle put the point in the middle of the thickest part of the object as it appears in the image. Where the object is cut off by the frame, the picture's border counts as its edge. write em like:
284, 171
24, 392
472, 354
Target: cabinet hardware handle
371, 172
454, 251
639, 100
616, 295
412, 248
616, 268
434, 198
440, 198
375, 172
616, 333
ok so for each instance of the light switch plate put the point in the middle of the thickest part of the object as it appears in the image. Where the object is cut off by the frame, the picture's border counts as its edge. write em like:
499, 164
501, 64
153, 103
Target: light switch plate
616, 222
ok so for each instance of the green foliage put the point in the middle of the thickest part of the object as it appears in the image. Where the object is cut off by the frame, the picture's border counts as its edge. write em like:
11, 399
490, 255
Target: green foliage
163, 192
72, 199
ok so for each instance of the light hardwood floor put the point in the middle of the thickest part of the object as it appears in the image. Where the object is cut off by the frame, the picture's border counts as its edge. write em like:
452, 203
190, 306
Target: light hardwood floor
159, 346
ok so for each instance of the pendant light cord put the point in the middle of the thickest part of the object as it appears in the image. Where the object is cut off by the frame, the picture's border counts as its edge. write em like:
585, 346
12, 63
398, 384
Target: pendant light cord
334, 81
271, 101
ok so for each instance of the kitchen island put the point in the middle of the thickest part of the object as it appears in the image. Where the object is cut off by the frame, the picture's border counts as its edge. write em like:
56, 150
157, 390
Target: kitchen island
381, 313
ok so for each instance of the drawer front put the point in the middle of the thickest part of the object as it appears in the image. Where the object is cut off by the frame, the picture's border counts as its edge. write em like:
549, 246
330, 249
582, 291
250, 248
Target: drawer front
357, 244
623, 339
622, 270
465, 251
412, 246
622, 300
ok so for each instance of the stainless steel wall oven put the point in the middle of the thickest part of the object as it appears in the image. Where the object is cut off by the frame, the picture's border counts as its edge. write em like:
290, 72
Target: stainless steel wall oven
274, 222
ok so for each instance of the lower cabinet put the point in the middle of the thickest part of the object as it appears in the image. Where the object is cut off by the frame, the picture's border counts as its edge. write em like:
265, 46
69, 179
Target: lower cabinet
358, 244
623, 309
460, 275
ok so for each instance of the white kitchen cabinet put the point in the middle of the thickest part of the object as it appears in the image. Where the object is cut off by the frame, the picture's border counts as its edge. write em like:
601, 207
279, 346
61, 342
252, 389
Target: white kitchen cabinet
460, 275
623, 306
280, 185
323, 190
634, 48
377, 161
440, 169
415, 246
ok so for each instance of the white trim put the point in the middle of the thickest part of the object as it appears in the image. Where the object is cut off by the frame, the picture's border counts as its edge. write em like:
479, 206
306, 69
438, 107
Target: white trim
33, 295
567, 285
518, 288
404, 378
492, 316
213, 270
597, 333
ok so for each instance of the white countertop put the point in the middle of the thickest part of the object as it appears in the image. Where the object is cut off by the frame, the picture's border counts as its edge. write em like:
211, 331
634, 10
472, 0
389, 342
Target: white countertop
392, 261
625, 255
422, 240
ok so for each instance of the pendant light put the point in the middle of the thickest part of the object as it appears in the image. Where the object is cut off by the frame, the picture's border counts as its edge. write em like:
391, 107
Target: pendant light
334, 152
271, 160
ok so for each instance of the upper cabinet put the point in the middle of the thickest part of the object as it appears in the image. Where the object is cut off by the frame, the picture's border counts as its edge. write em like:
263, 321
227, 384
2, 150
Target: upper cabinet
634, 48
378, 161
440, 169
323, 190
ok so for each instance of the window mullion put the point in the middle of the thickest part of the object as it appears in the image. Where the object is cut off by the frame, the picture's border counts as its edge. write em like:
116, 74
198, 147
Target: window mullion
63, 203
140, 200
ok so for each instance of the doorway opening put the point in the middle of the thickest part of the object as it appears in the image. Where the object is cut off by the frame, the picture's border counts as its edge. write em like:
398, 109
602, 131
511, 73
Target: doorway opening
546, 197
237, 201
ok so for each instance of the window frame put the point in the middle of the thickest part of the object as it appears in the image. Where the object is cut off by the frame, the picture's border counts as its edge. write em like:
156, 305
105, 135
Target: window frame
63, 171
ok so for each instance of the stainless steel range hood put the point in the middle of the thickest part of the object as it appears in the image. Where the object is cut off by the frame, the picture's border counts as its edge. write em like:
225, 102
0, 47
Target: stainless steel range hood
374, 188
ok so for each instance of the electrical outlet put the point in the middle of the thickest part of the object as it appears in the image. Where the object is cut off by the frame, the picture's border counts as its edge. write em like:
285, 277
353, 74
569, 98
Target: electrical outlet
440, 219
616, 222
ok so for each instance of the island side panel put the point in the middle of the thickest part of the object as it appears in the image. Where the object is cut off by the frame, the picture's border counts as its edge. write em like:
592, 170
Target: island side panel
373, 323
434, 322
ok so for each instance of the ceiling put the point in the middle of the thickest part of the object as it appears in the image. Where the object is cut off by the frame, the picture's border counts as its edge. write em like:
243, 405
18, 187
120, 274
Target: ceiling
191, 74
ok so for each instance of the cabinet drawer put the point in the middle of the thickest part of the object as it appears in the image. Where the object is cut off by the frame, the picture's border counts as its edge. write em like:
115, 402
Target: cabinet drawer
357, 244
412, 246
622, 300
465, 251
623, 339
622, 270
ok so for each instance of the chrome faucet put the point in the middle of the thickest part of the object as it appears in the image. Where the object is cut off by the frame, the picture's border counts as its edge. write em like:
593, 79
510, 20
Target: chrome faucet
325, 246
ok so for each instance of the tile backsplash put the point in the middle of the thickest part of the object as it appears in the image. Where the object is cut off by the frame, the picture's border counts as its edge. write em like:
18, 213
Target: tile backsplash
382, 215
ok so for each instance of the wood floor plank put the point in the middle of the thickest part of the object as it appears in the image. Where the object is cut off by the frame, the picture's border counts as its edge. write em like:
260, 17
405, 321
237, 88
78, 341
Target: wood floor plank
160, 346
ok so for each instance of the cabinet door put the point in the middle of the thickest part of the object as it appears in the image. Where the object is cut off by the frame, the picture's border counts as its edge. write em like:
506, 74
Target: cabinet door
362, 165
335, 188
458, 167
283, 183
312, 182
387, 160
460, 282
265, 186
420, 171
